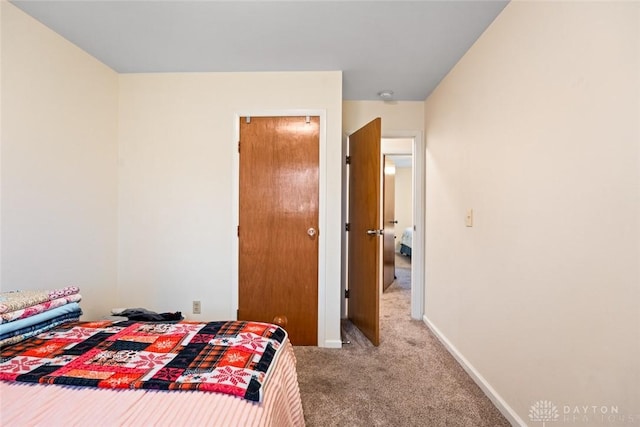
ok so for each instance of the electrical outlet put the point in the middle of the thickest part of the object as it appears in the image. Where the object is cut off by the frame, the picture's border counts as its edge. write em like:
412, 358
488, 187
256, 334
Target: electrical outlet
196, 307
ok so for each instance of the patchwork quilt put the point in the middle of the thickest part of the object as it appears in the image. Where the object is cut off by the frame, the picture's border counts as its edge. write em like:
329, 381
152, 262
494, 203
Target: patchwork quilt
233, 357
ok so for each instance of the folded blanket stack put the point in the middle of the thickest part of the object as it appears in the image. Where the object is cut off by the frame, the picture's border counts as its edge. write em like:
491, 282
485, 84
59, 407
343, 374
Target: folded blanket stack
24, 314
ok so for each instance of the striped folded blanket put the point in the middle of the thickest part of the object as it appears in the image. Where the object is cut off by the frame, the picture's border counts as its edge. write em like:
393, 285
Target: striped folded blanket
19, 326
23, 313
16, 300
39, 328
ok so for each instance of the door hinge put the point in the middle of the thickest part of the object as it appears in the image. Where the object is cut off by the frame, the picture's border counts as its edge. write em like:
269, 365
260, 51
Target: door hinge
238, 146
238, 231
346, 293
347, 227
348, 160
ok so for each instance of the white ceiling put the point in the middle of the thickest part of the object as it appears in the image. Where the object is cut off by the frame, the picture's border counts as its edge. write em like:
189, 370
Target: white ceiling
406, 47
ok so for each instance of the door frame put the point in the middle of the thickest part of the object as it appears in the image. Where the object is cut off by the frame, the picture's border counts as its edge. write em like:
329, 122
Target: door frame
322, 206
418, 284
417, 243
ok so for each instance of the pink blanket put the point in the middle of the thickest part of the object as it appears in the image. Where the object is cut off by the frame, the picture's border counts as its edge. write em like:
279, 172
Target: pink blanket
16, 300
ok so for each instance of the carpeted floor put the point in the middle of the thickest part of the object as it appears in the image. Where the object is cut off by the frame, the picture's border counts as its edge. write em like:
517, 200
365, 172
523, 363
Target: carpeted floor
409, 380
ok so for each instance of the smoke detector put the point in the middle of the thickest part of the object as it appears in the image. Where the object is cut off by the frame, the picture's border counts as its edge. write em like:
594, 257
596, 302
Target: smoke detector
386, 95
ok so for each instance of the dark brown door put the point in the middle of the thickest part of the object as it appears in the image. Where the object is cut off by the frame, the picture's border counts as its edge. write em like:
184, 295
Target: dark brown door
389, 221
278, 230
364, 230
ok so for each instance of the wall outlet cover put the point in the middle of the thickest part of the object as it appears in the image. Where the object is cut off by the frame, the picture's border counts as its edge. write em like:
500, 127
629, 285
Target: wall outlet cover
197, 308
469, 218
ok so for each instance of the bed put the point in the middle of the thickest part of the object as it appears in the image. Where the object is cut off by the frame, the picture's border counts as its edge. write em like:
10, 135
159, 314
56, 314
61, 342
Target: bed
130, 373
405, 241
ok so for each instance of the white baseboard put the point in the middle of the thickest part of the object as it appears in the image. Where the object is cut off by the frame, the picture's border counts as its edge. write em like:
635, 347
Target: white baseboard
498, 401
332, 344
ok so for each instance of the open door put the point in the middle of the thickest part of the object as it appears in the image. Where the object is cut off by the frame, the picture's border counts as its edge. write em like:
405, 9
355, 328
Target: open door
365, 231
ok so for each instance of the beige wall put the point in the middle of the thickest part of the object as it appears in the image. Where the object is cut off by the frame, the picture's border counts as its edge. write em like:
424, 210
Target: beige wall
59, 165
537, 129
178, 191
396, 116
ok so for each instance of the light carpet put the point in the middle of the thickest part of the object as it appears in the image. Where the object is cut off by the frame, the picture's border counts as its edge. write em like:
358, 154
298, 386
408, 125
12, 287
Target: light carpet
409, 380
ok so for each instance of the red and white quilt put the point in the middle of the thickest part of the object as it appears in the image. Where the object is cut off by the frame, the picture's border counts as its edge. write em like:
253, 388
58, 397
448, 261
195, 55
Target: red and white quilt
231, 357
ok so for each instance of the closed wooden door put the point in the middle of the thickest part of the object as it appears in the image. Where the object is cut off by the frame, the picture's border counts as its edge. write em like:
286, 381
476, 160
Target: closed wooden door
278, 230
389, 221
365, 230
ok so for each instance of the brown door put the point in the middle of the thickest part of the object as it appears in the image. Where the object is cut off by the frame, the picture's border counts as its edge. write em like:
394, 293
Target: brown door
364, 229
278, 230
389, 221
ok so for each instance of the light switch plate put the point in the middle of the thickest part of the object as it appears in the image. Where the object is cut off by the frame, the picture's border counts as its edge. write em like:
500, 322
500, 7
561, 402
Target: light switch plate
468, 220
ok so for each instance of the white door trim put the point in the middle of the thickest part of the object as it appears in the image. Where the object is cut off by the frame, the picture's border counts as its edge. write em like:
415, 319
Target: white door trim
322, 214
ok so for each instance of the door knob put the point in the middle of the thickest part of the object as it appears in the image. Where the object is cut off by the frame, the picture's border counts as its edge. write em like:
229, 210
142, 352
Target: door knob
375, 232
311, 231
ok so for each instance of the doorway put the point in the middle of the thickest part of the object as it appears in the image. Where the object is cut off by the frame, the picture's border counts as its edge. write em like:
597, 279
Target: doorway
398, 217
403, 144
399, 141
389, 221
